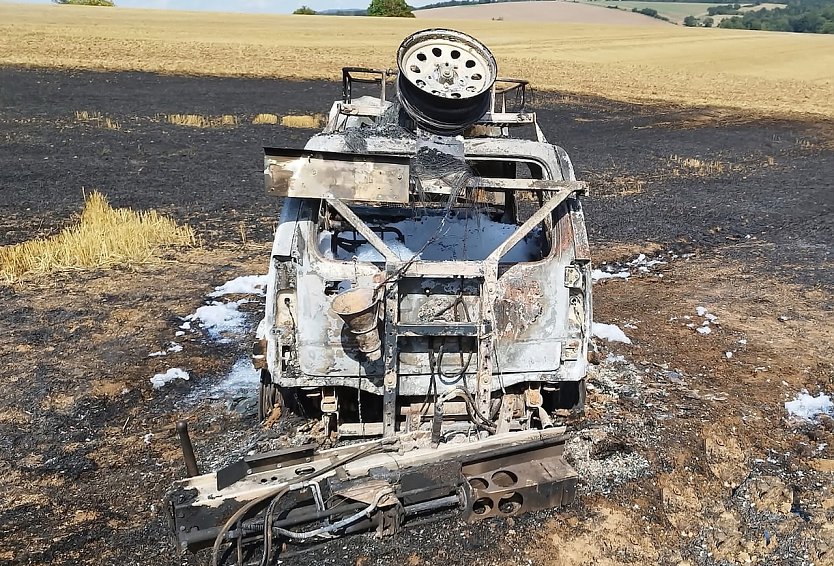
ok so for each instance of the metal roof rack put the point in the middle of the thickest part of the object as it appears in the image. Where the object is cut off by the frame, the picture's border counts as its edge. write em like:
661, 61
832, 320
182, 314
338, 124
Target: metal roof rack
505, 112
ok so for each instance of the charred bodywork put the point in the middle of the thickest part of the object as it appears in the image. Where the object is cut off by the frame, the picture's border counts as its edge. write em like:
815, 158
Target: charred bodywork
429, 290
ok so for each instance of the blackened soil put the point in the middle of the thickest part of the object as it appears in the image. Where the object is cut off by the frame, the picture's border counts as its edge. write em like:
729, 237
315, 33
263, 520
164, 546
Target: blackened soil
752, 199
758, 180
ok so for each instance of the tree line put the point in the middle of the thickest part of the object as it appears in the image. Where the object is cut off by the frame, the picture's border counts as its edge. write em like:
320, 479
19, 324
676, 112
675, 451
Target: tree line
801, 16
109, 3
384, 8
448, 3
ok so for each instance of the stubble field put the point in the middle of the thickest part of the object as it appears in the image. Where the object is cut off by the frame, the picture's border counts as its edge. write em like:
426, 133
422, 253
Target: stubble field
788, 74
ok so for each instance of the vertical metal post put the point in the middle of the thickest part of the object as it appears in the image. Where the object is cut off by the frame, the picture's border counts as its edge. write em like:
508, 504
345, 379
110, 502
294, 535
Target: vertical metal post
187, 449
483, 390
391, 383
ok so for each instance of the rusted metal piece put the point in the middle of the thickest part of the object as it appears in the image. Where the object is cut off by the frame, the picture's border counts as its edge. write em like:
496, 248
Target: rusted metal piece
528, 225
581, 246
519, 472
267, 461
187, 449
484, 375
363, 75
391, 379
359, 308
518, 306
259, 353
439, 329
516, 484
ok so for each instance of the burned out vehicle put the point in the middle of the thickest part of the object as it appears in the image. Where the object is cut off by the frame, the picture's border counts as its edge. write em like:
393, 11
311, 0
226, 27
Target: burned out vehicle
429, 302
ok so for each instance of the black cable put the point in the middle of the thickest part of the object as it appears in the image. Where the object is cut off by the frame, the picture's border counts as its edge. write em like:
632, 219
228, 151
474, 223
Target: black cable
279, 492
458, 301
452, 377
267, 554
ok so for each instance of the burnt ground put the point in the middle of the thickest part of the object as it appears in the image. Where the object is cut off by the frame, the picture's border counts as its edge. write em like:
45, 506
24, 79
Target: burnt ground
687, 455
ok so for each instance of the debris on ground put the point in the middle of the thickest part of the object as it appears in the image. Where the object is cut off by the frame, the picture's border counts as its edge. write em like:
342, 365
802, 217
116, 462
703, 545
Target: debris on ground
162, 379
610, 332
806, 406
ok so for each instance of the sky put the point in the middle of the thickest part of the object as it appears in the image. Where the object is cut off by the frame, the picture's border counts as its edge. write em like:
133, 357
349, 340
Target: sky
249, 6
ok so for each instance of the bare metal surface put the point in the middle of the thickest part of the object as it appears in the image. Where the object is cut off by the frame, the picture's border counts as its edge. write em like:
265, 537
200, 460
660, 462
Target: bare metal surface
313, 176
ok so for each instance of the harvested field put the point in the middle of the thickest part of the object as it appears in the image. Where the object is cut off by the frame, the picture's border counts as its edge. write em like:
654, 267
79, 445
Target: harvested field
102, 237
309, 122
687, 454
550, 12
754, 73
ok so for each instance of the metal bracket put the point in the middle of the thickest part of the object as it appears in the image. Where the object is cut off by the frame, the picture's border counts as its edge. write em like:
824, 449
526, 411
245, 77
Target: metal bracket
483, 389
573, 277
391, 380
329, 401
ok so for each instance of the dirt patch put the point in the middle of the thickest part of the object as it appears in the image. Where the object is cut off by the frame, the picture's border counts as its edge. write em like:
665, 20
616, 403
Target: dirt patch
610, 537
725, 457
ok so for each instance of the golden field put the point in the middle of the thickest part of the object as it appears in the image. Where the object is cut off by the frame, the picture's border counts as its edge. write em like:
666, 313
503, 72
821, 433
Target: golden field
760, 72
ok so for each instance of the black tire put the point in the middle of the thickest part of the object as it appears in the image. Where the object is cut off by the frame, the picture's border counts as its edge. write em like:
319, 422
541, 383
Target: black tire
439, 115
269, 396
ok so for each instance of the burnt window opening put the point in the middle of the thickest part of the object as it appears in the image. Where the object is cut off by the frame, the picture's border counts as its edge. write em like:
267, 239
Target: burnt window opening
470, 230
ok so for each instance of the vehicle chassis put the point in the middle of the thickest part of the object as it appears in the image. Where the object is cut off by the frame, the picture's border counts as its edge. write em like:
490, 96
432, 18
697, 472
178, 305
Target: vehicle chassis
480, 448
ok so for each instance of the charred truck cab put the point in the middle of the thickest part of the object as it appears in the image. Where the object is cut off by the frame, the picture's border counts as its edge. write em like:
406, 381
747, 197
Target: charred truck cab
429, 298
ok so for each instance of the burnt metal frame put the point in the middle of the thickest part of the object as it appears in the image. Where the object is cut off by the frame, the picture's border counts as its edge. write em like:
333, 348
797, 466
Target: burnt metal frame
473, 270
519, 86
196, 506
488, 275
515, 117
509, 85
348, 79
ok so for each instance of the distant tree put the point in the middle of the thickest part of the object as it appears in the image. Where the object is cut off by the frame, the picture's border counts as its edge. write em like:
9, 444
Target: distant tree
109, 3
690, 21
724, 10
651, 12
305, 11
390, 9
707, 22
731, 23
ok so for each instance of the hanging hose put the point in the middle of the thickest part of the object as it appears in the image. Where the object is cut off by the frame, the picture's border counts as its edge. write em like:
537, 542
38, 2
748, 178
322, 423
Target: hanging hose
477, 418
338, 524
279, 492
